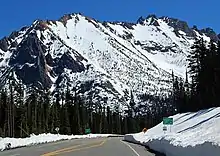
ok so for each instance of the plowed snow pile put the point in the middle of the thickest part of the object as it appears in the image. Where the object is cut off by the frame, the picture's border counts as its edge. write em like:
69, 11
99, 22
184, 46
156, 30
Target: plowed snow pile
43, 138
192, 134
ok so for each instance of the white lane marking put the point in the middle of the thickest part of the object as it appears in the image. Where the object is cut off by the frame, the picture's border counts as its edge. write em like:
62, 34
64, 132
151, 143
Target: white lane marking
130, 147
15, 155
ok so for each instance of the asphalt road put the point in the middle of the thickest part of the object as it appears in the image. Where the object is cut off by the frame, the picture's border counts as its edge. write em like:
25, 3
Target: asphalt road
82, 147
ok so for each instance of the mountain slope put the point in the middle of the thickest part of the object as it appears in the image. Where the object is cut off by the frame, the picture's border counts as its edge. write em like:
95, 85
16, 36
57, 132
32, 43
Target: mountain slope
103, 61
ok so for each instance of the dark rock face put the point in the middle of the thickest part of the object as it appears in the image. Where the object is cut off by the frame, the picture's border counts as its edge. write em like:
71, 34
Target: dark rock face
153, 20
68, 62
127, 25
183, 26
65, 18
151, 16
24, 28
30, 63
140, 20
42, 25
210, 33
34, 75
179, 25
32, 66
14, 34
195, 28
4, 44
28, 51
49, 60
127, 36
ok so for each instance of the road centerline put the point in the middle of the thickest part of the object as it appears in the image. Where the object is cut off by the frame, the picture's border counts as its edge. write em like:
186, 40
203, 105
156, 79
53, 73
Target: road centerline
75, 148
83, 148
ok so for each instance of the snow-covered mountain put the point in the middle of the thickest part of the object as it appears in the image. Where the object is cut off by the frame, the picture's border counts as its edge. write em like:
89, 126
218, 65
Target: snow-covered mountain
103, 61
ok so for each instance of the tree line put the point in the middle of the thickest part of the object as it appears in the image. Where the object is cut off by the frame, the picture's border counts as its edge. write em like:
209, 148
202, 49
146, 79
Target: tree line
28, 110
201, 88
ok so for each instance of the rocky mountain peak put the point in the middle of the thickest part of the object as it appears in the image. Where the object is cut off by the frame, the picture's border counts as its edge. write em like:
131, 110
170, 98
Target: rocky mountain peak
141, 20
152, 16
42, 25
65, 18
179, 25
210, 33
150, 20
105, 60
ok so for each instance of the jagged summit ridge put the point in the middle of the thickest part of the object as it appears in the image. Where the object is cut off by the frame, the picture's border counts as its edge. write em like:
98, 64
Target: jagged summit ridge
178, 25
103, 61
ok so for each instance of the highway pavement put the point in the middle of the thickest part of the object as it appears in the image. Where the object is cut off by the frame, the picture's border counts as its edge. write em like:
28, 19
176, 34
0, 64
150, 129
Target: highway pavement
82, 147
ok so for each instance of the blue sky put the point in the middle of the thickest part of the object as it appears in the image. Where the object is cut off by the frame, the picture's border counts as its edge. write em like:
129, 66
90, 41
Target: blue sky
15, 14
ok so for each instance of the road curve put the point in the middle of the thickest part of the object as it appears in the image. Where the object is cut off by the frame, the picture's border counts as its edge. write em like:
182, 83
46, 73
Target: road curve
82, 147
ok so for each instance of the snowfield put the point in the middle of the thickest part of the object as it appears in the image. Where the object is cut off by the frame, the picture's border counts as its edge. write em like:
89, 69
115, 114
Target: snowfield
43, 138
192, 134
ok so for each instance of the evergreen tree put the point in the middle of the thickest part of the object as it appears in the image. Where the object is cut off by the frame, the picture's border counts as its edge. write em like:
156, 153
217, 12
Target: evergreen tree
197, 67
109, 120
3, 113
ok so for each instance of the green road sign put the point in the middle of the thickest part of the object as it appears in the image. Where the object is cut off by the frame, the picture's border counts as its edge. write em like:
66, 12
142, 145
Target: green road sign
168, 121
88, 131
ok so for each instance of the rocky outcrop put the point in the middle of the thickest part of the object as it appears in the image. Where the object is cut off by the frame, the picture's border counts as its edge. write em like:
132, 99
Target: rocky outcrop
210, 33
179, 25
29, 62
66, 61
4, 44
152, 20
141, 20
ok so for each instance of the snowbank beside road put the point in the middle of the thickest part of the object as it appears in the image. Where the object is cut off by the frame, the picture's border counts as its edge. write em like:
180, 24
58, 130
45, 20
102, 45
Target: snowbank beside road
43, 138
193, 134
